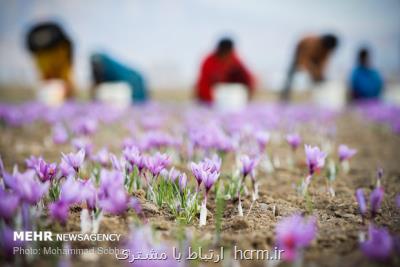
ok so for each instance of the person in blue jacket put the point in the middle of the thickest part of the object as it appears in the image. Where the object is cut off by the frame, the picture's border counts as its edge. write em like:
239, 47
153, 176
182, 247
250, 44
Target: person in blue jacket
365, 81
107, 69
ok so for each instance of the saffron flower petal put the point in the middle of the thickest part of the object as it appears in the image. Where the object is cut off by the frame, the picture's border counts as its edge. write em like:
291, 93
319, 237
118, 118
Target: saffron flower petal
379, 244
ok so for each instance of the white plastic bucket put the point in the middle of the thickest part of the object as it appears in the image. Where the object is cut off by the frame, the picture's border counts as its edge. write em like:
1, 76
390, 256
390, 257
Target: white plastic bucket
51, 92
230, 97
330, 94
114, 93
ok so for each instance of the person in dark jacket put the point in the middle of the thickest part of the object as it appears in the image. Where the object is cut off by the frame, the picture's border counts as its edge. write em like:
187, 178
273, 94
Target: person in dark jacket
365, 81
107, 69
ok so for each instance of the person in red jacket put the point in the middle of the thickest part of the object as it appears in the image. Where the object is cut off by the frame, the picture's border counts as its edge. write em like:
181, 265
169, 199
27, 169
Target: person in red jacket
222, 66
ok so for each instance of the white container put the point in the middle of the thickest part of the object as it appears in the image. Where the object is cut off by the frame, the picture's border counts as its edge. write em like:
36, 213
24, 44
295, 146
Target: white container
51, 92
391, 94
330, 94
230, 97
301, 81
114, 93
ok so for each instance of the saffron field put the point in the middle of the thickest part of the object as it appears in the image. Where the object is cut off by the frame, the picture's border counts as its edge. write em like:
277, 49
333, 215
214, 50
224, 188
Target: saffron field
321, 185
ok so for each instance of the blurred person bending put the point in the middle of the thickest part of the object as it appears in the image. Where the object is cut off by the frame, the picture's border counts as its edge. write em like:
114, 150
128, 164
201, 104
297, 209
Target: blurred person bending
311, 55
52, 50
107, 69
222, 66
365, 81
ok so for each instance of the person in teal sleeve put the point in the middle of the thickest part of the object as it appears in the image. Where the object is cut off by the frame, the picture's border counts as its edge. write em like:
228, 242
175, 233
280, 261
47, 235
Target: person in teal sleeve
365, 81
107, 69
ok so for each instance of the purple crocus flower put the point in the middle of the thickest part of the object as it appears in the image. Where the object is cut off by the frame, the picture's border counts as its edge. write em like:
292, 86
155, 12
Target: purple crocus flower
109, 179
88, 193
209, 180
197, 173
362, 205
29, 189
248, 166
8, 204
7, 242
102, 157
206, 172
65, 169
173, 174
112, 196
32, 162
398, 201
294, 140
59, 211
83, 144
70, 191
213, 164
396, 243
182, 181
262, 139
315, 158
345, 153
115, 202
294, 233
116, 163
59, 134
205, 167
134, 157
85, 126
156, 163
375, 199
46, 171
379, 244
75, 161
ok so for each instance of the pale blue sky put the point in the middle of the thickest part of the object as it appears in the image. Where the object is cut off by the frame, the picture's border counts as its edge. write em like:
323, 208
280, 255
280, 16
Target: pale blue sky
168, 38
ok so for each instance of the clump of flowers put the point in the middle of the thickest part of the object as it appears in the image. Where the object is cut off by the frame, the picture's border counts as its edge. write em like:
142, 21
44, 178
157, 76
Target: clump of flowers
29, 189
69, 194
315, 160
375, 200
112, 195
200, 169
156, 163
206, 172
294, 234
248, 166
134, 158
345, 154
173, 190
